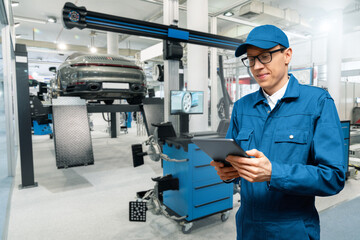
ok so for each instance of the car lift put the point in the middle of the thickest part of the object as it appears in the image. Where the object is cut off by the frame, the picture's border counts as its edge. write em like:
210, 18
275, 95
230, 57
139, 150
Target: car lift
79, 17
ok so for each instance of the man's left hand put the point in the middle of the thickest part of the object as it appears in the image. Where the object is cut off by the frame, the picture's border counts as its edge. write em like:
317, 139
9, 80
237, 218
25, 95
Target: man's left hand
257, 169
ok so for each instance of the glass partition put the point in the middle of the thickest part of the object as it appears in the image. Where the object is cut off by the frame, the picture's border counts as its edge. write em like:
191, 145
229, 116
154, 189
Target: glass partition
3, 145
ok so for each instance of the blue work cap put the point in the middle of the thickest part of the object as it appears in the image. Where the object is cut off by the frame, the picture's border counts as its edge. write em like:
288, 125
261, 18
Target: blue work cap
265, 37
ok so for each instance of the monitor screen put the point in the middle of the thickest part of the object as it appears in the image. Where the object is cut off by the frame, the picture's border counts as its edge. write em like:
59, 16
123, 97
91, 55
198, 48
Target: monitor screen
186, 102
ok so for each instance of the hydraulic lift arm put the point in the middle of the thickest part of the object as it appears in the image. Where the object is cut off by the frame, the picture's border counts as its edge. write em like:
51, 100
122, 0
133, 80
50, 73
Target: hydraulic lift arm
79, 17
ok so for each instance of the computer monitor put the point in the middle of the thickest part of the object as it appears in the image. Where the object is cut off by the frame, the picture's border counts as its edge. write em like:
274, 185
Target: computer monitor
186, 102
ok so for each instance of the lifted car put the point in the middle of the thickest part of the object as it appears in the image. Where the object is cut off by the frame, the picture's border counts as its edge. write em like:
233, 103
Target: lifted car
101, 77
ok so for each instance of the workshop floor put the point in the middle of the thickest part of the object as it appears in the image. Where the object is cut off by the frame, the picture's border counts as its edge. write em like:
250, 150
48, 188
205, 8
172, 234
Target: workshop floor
92, 202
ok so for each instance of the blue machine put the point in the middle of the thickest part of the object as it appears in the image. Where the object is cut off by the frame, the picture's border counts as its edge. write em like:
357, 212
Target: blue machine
128, 120
42, 125
190, 188
201, 192
41, 129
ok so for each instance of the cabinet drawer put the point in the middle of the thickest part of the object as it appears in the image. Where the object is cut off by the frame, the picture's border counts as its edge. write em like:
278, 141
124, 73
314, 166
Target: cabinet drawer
208, 209
198, 157
204, 172
211, 192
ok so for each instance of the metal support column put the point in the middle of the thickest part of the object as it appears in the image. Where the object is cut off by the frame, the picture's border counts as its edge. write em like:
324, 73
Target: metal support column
113, 48
113, 125
334, 52
171, 67
214, 80
197, 61
23, 101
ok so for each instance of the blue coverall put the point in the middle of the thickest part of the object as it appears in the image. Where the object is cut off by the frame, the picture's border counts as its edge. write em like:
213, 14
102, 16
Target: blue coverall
303, 139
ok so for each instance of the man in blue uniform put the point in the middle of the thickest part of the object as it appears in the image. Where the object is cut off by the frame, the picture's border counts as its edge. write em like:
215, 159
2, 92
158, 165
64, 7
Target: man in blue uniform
293, 134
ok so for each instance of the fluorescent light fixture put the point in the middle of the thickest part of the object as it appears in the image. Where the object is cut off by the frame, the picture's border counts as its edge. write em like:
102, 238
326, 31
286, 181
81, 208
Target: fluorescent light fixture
228, 14
93, 49
33, 20
18, 36
17, 24
62, 46
14, 3
51, 19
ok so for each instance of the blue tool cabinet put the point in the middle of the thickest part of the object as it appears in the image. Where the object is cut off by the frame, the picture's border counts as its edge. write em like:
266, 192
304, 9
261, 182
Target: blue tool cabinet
201, 192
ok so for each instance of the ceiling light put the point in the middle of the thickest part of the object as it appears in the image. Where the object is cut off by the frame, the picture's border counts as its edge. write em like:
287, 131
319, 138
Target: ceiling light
26, 19
92, 42
324, 26
93, 49
62, 46
14, 4
228, 14
18, 36
51, 19
17, 24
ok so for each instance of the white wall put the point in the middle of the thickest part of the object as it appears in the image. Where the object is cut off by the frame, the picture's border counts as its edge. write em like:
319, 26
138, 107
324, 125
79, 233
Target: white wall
314, 52
351, 48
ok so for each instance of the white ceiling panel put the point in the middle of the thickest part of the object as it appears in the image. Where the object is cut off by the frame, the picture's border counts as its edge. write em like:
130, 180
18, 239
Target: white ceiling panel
311, 12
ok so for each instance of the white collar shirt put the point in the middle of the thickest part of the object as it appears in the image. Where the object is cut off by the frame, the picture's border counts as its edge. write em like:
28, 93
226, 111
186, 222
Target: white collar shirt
272, 100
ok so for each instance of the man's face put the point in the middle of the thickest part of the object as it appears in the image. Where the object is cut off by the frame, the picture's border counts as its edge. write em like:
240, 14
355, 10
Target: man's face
273, 75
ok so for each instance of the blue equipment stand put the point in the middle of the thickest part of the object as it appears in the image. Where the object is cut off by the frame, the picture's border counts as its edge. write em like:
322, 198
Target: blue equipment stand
201, 192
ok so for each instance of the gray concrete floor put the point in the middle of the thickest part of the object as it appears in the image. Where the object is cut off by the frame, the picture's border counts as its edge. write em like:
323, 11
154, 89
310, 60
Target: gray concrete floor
92, 202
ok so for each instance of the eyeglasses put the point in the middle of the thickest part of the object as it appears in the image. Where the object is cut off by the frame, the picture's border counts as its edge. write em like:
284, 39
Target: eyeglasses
264, 58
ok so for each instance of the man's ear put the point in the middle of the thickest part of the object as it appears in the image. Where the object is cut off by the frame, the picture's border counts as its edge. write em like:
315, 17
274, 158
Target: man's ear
288, 55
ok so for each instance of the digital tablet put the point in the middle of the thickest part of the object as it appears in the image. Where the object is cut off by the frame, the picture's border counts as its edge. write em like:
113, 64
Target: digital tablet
219, 148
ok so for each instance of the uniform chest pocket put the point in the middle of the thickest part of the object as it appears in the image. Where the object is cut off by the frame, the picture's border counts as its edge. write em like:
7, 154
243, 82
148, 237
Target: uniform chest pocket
291, 136
290, 146
245, 138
